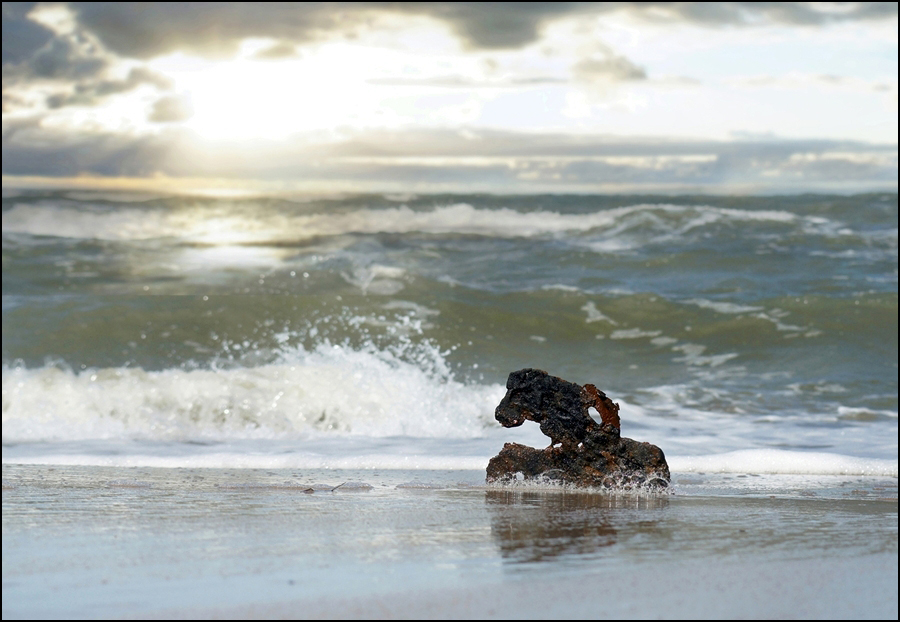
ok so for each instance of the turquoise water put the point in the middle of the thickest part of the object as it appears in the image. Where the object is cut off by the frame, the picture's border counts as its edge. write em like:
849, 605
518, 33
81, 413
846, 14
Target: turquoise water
378, 330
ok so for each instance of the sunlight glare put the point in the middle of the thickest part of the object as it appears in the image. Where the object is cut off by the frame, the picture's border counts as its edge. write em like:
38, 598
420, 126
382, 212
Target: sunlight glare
246, 98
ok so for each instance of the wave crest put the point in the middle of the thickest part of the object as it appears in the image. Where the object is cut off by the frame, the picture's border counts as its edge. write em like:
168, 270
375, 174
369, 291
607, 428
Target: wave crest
330, 390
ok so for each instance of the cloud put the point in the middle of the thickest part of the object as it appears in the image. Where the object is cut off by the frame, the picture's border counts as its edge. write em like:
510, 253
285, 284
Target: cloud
90, 92
81, 53
79, 44
64, 58
72, 62
22, 37
69, 64
35, 150
797, 80
761, 13
171, 109
495, 25
282, 49
44, 44
457, 81
443, 160
145, 30
612, 68
514, 161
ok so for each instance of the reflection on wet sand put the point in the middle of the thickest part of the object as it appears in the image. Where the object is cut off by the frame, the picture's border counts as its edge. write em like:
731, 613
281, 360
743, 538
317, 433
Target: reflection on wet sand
535, 526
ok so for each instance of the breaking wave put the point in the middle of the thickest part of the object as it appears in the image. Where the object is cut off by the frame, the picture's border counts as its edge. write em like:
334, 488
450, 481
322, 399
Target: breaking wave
331, 389
227, 225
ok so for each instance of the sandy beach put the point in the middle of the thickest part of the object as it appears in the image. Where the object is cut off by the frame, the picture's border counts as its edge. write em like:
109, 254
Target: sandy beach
88, 542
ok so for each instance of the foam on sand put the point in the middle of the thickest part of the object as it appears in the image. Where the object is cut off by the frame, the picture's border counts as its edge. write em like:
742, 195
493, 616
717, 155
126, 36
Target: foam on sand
763, 461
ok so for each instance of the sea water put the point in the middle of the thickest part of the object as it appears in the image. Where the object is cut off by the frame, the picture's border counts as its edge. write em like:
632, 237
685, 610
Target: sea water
740, 334
283, 407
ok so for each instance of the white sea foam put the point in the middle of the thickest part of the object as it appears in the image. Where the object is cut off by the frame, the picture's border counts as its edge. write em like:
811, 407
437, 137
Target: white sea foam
396, 454
118, 197
336, 407
81, 222
693, 355
663, 341
865, 414
762, 461
560, 287
376, 279
257, 460
722, 307
595, 315
329, 390
222, 225
634, 333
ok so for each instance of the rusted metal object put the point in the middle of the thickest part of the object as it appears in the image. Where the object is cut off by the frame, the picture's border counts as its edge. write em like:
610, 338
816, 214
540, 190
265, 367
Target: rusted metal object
582, 451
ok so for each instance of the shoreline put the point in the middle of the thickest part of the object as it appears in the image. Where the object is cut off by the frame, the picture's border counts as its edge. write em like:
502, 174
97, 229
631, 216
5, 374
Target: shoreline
108, 542
426, 455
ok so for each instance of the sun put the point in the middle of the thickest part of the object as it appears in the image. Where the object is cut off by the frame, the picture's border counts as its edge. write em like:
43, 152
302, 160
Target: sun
248, 98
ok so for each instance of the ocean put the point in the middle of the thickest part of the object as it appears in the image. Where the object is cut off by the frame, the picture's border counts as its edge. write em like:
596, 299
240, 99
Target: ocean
751, 334
257, 407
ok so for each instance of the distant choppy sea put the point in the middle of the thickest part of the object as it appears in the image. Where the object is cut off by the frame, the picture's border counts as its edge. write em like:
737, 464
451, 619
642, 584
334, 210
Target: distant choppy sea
741, 334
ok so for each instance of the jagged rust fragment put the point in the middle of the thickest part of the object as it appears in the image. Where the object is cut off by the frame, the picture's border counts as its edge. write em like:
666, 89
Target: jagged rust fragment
582, 451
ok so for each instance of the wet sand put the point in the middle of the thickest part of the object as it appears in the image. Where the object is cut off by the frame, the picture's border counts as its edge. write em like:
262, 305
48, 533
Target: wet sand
210, 543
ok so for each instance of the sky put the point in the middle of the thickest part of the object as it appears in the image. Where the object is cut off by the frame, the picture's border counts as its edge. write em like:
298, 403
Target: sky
729, 97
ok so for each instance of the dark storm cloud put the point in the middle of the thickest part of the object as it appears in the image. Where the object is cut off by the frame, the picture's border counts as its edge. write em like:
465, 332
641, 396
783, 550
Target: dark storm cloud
144, 30
21, 36
65, 58
29, 149
516, 24
32, 51
74, 62
148, 29
90, 92
491, 25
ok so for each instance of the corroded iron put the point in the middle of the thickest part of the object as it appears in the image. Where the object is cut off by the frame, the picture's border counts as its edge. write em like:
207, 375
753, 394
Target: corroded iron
582, 451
